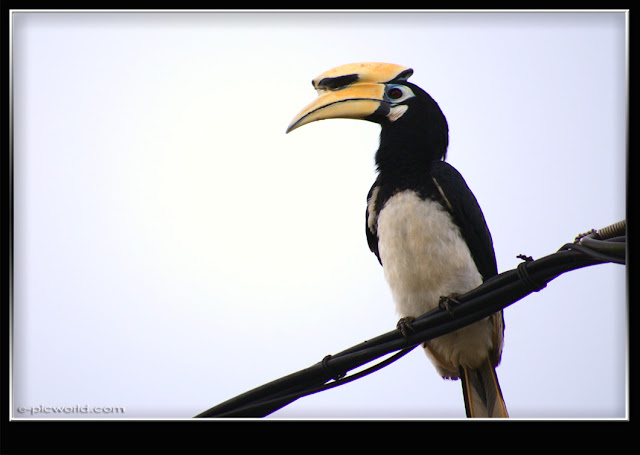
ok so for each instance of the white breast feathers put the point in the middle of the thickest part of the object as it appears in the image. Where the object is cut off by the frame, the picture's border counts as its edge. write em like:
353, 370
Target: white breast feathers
424, 257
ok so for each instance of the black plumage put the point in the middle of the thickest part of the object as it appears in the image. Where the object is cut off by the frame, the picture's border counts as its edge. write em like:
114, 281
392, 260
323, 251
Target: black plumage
411, 157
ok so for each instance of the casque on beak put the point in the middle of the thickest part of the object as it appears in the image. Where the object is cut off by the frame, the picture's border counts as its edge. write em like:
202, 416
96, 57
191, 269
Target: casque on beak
353, 91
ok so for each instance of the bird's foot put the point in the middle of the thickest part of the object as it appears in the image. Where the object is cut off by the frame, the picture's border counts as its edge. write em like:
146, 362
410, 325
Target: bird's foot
447, 302
405, 326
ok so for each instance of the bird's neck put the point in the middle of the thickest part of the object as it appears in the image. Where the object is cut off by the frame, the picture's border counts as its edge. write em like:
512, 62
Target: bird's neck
407, 154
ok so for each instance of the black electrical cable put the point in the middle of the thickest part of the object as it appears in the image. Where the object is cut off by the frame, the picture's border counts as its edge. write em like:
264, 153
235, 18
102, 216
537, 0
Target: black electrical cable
272, 403
493, 295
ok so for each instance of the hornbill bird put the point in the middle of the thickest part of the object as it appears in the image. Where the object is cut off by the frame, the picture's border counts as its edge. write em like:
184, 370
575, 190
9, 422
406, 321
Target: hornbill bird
422, 221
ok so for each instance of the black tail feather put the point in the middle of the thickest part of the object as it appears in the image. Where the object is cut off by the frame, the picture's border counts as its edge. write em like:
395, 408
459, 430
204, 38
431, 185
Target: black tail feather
482, 393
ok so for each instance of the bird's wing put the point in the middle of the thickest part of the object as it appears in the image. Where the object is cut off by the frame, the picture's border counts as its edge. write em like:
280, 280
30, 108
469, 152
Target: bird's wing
370, 225
467, 214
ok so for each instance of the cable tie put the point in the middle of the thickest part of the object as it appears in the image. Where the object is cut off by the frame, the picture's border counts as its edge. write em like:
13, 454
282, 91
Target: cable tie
523, 274
330, 372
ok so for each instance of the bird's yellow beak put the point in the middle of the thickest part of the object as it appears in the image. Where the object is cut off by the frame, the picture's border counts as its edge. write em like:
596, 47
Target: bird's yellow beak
349, 91
356, 101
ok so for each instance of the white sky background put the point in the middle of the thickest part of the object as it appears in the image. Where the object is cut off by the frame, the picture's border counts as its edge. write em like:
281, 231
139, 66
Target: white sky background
174, 248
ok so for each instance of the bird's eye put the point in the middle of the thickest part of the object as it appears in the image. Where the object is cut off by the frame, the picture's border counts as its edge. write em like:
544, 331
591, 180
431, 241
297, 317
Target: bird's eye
394, 93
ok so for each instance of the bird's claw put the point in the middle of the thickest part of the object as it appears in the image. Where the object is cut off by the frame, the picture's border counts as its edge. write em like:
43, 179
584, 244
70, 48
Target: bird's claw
405, 326
447, 302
